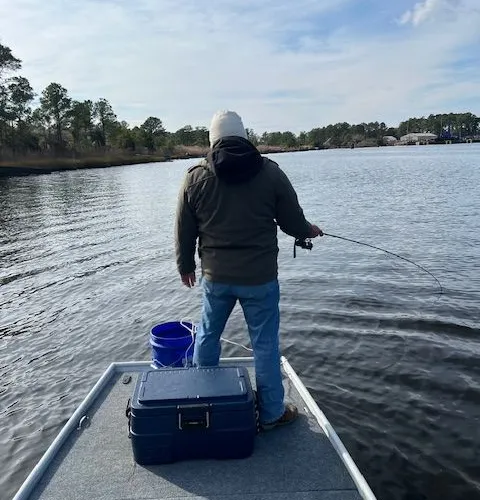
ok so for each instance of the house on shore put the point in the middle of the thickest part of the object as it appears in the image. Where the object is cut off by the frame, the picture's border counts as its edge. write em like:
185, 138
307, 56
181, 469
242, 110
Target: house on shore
418, 138
389, 140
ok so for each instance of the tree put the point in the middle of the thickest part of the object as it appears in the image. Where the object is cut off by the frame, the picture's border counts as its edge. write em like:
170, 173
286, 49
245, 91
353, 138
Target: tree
20, 94
124, 138
153, 126
392, 131
8, 62
152, 132
16, 110
289, 140
184, 136
55, 105
471, 124
80, 118
106, 119
302, 138
4, 116
189, 136
316, 137
201, 136
252, 136
40, 124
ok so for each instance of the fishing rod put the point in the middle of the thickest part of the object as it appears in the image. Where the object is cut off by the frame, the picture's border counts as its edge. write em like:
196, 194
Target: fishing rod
308, 245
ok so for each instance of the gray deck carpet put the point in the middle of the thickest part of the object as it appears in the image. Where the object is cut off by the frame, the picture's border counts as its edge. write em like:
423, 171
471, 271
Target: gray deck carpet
296, 462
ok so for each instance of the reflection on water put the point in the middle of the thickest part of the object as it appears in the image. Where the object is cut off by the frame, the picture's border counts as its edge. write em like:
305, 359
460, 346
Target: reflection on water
87, 268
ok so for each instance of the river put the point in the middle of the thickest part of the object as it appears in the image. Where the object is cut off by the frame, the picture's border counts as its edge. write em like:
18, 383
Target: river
87, 268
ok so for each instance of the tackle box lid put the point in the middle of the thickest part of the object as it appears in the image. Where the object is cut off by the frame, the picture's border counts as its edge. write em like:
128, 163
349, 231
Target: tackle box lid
176, 384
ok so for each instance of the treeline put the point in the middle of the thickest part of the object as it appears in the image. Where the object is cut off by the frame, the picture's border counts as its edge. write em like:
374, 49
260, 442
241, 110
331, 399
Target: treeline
452, 126
61, 126
456, 126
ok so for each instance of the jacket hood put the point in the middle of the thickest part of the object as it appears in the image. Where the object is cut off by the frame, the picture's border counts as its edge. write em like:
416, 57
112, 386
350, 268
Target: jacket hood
234, 159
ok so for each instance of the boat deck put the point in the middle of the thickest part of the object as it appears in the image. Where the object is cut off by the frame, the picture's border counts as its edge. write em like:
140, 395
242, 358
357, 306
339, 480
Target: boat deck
296, 462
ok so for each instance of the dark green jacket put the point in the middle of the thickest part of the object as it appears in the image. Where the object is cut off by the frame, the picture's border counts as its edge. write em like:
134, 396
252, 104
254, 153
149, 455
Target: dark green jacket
232, 202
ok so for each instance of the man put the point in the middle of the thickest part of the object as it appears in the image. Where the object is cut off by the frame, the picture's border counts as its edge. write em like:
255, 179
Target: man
233, 202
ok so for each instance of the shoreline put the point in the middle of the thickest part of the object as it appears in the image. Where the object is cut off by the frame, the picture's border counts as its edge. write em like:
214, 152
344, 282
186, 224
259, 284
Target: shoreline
49, 165
10, 168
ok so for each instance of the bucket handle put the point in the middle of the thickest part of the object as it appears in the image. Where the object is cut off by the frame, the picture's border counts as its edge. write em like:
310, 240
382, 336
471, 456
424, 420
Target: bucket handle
192, 332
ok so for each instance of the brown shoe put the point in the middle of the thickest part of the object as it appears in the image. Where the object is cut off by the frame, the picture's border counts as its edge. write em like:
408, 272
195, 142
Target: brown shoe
289, 415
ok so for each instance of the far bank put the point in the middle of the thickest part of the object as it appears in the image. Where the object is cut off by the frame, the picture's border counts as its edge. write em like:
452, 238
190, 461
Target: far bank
46, 165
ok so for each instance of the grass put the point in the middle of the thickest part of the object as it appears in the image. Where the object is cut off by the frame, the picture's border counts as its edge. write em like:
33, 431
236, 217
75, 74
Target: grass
46, 164
30, 165
72, 163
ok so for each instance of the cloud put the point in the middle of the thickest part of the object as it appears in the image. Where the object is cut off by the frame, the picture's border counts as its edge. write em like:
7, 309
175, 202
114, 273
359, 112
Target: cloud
280, 66
406, 17
421, 12
432, 9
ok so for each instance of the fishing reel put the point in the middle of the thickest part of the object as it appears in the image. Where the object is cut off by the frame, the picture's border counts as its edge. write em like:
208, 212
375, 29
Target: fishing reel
306, 244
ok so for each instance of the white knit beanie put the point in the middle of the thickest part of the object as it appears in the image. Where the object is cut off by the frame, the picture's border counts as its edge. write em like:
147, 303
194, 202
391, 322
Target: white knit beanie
225, 123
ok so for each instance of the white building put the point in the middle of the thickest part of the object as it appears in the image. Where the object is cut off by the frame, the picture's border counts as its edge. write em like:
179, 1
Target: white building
418, 137
389, 139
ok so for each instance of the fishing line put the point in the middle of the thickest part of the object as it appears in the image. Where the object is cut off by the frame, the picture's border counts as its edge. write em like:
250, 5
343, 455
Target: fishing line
390, 253
307, 244
403, 337
237, 344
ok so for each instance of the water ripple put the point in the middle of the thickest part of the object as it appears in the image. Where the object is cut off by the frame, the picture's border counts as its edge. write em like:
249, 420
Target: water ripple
87, 268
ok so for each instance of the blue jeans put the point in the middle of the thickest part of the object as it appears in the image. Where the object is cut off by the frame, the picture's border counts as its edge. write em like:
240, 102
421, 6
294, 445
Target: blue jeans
261, 311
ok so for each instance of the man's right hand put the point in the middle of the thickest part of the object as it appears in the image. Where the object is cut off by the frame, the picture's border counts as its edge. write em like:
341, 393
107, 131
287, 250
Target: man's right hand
316, 231
188, 279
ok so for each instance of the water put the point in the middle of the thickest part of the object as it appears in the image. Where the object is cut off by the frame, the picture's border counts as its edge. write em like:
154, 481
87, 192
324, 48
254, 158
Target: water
87, 268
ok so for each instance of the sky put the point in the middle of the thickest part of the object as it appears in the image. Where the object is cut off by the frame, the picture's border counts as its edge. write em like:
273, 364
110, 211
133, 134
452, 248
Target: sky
281, 65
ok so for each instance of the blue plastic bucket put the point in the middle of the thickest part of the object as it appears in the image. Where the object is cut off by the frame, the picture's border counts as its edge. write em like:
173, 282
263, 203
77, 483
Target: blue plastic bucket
172, 344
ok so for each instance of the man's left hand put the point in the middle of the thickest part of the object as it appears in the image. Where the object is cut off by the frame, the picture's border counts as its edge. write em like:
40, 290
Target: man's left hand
188, 279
